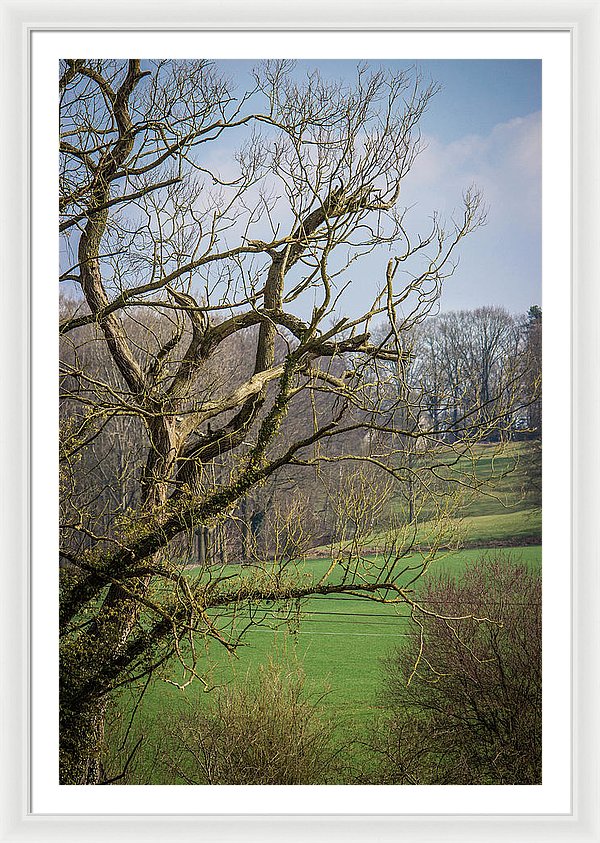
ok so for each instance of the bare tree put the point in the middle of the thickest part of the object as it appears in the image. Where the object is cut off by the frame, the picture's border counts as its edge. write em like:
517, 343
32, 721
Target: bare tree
464, 699
462, 357
533, 381
211, 240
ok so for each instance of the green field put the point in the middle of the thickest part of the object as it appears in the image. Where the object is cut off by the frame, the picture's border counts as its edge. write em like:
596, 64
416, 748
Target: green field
338, 641
491, 502
498, 508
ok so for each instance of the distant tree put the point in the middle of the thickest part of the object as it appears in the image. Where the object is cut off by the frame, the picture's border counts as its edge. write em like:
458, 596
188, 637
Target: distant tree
532, 400
461, 361
533, 381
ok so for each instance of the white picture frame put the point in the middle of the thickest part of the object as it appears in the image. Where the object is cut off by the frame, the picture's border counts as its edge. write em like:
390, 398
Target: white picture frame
580, 18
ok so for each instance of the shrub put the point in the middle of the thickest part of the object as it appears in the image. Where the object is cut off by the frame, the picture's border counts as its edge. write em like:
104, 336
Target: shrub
464, 698
260, 730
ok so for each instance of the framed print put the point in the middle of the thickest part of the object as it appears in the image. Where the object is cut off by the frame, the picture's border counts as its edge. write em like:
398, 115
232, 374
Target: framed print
273, 489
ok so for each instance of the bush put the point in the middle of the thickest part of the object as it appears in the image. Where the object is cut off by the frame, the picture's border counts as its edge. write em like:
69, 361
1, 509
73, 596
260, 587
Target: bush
260, 730
464, 699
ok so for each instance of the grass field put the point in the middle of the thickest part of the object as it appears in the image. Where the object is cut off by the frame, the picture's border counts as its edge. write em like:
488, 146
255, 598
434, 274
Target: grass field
505, 512
494, 504
339, 641
502, 510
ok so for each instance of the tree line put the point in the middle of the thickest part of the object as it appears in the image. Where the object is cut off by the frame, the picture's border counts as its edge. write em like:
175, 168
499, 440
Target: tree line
455, 362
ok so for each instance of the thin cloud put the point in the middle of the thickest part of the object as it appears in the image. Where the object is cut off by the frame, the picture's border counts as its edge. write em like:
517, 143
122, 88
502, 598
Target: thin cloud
505, 165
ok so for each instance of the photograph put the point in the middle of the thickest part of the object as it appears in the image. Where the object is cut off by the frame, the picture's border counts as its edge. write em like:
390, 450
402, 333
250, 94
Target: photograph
300, 421
283, 554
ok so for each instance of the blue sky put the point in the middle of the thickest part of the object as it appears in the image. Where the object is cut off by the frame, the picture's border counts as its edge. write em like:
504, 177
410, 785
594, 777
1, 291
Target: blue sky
483, 127
476, 95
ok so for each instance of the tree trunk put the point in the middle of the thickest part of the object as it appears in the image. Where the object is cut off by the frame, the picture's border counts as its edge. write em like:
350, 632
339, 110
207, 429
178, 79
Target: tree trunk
201, 546
89, 670
246, 532
81, 741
